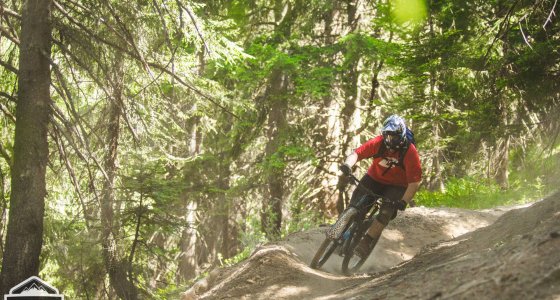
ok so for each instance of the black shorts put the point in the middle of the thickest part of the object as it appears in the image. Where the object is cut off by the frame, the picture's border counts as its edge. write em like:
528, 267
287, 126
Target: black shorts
387, 211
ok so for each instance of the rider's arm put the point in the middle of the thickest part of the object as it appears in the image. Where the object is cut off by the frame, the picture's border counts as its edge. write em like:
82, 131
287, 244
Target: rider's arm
411, 191
351, 159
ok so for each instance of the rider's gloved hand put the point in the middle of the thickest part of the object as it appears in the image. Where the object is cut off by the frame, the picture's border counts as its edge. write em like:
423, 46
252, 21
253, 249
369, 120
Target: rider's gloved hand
401, 205
345, 169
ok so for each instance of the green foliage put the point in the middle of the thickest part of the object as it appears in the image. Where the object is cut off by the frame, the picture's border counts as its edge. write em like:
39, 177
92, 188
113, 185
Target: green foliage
71, 256
250, 239
239, 257
303, 215
479, 193
533, 179
286, 154
196, 131
471, 193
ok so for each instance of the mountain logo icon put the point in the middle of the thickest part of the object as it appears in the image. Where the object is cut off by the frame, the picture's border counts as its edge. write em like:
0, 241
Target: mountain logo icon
33, 288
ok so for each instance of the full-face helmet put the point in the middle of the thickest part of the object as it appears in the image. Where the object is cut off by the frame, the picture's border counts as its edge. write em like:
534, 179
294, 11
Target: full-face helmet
394, 132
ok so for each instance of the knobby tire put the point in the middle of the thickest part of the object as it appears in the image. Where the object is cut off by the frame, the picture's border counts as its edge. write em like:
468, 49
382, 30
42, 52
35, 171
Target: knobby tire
347, 267
327, 248
323, 253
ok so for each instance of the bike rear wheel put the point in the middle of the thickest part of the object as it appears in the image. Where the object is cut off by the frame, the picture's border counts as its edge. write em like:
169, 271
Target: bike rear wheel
323, 253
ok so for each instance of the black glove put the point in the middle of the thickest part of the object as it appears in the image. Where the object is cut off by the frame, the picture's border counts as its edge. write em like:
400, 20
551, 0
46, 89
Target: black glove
401, 205
346, 170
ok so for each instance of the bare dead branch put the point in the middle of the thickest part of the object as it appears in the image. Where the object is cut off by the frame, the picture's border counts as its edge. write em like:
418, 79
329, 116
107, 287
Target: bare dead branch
133, 55
5, 155
70, 170
5, 32
98, 82
165, 31
129, 39
7, 113
501, 31
552, 13
85, 157
8, 12
193, 19
8, 67
524, 37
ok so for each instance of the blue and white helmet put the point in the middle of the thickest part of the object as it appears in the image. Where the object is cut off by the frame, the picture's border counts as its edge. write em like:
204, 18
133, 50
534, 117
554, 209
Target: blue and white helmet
394, 132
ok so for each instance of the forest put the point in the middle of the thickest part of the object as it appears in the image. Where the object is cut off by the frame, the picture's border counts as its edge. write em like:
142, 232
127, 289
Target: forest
147, 142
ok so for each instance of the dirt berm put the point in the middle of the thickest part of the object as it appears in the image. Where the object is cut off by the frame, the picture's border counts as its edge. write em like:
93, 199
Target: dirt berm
503, 253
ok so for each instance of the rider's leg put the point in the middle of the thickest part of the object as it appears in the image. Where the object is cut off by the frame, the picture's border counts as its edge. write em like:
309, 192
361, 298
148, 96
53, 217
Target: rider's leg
359, 193
386, 213
368, 242
358, 203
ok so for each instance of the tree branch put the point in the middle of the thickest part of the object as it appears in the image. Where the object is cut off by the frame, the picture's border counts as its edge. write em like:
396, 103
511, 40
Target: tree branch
191, 16
136, 233
8, 67
552, 13
57, 113
129, 38
8, 12
7, 34
524, 37
70, 169
5, 155
7, 112
503, 27
133, 55
8, 96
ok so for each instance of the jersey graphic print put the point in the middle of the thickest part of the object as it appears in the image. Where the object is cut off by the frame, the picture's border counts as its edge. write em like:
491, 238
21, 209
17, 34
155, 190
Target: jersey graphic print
388, 162
386, 168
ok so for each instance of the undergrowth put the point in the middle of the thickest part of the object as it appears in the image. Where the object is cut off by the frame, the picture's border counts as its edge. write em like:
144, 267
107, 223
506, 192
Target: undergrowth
476, 193
530, 179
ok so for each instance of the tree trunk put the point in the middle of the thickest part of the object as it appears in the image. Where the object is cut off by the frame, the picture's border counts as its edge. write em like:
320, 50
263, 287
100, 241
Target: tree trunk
224, 208
436, 182
116, 265
502, 176
24, 237
350, 114
502, 173
322, 138
188, 266
271, 216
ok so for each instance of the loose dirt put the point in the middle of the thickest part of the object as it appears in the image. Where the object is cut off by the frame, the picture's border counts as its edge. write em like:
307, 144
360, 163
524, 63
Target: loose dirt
425, 253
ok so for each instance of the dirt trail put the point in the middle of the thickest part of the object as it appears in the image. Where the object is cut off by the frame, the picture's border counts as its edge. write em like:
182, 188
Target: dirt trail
425, 253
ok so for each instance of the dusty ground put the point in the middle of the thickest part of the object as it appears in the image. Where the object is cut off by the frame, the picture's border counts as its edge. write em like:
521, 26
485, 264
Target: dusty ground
504, 253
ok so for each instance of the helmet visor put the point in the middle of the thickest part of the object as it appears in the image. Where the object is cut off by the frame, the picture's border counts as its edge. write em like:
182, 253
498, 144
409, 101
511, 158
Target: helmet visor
392, 138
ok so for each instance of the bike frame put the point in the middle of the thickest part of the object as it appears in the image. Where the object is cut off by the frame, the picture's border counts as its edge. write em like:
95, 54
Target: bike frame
353, 230
365, 217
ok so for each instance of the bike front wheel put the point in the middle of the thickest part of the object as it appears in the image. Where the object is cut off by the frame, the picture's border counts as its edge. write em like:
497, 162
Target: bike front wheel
323, 253
351, 263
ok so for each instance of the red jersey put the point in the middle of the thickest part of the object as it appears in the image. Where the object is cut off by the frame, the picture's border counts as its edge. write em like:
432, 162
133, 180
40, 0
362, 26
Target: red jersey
396, 175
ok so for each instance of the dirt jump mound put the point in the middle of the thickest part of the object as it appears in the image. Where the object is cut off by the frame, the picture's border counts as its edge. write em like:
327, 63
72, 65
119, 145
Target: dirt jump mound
425, 253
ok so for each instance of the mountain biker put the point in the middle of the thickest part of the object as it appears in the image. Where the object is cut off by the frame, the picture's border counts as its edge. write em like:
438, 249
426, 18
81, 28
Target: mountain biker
386, 176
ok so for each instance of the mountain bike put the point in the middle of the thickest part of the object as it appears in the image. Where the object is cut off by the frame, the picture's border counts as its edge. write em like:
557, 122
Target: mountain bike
348, 230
